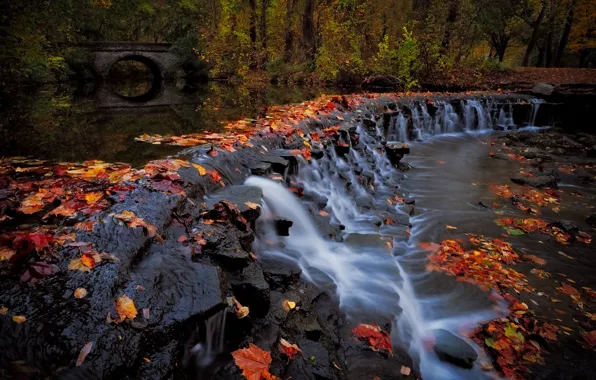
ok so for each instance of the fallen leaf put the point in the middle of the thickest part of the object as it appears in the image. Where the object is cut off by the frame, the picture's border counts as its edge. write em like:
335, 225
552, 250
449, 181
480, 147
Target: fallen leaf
535, 259
289, 349
77, 264
241, 311
323, 213
377, 339
433, 247
252, 205
80, 293
450, 227
590, 337
147, 360
6, 253
125, 307
254, 362
405, 370
88, 260
202, 170
3, 310
19, 318
84, 352
289, 305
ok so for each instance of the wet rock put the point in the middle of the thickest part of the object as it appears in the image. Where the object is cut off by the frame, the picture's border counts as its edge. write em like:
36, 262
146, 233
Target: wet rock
567, 227
317, 153
543, 89
243, 197
315, 363
280, 275
251, 289
261, 169
319, 200
453, 349
532, 153
591, 220
172, 282
396, 151
282, 226
410, 201
583, 177
387, 116
369, 124
225, 248
291, 157
278, 164
538, 181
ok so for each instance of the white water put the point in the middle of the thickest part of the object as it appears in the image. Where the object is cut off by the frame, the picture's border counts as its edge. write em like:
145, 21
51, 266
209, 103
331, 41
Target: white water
372, 280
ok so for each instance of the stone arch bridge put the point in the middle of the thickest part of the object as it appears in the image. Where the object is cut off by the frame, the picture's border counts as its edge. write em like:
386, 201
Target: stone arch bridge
156, 56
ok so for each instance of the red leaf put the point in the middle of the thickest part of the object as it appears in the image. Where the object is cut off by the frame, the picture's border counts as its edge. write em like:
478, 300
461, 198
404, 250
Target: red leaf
377, 338
254, 362
590, 337
289, 349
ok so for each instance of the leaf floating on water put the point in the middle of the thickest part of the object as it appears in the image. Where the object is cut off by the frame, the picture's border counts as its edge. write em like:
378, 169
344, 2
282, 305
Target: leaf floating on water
254, 363
535, 259
125, 307
377, 339
84, 352
450, 227
289, 349
323, 213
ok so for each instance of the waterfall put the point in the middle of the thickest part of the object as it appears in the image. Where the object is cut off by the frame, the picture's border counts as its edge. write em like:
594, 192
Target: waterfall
370, 265
535, 108
212, 342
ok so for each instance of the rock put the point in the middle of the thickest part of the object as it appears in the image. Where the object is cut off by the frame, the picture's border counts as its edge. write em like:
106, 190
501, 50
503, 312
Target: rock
567, 226
291, 157
410, 201
282, 226
280, 275
453, 349
396, 151
543, 89
261, 169
591, 220
369, 124
317, 153
539, 181
278, 164
243, 197
225, 248
251, 289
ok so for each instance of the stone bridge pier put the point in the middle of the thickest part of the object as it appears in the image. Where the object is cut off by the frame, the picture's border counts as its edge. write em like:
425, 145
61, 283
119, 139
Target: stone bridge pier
156, 56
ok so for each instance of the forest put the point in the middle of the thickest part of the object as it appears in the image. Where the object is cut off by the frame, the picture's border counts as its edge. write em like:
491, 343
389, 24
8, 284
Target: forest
298, 41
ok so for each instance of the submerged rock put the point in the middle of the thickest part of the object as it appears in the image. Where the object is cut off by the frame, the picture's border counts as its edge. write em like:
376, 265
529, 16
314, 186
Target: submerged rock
454, 349
539, 181
543, 89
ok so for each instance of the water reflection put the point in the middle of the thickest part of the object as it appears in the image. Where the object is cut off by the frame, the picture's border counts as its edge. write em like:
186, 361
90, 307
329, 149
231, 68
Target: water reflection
67, 124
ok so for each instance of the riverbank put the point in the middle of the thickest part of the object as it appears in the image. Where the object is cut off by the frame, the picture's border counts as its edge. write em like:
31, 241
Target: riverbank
175, 216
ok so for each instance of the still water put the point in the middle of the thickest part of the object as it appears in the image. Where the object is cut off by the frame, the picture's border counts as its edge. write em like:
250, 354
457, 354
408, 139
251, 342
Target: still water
69, 124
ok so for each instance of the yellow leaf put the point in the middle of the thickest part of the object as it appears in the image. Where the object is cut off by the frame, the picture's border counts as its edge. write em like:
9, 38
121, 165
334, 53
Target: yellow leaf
202, 170
289, 305
77, 264
252, 205
80, 293
92, 198
125, 307
450, 227
19, 318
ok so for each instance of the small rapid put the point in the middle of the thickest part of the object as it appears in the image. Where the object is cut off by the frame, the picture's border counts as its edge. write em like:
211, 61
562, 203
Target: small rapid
376, 265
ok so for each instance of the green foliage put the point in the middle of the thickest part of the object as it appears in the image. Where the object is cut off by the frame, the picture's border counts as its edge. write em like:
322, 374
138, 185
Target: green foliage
407, 60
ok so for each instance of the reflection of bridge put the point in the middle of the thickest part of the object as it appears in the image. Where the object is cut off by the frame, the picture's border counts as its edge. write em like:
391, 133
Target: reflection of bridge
157, 57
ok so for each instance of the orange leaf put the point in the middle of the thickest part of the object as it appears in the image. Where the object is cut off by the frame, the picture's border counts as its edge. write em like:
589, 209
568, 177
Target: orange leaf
80, 293
377, 339
289, 349
433, 247
92, 198
202, 170
254, 362
88, 260
323, 213
125, 307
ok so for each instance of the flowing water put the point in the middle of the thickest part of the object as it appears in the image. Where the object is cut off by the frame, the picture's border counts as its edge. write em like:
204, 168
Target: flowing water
378, 270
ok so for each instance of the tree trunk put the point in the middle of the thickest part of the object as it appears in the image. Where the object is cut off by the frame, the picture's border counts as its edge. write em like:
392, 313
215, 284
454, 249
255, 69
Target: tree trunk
451, 19
264, 29
535, 35
289, 38
308, 29
549, 48
565, 36
253, 22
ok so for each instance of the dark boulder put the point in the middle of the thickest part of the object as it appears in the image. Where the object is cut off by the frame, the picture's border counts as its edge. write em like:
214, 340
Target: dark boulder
261, 169
539, 181
282, 226
454, 349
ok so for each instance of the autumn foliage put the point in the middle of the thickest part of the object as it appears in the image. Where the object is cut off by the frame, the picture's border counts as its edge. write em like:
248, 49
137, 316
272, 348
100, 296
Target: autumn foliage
254, 363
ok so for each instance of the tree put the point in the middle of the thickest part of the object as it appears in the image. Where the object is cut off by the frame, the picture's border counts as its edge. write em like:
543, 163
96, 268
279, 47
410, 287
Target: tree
498, 21
536, 24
